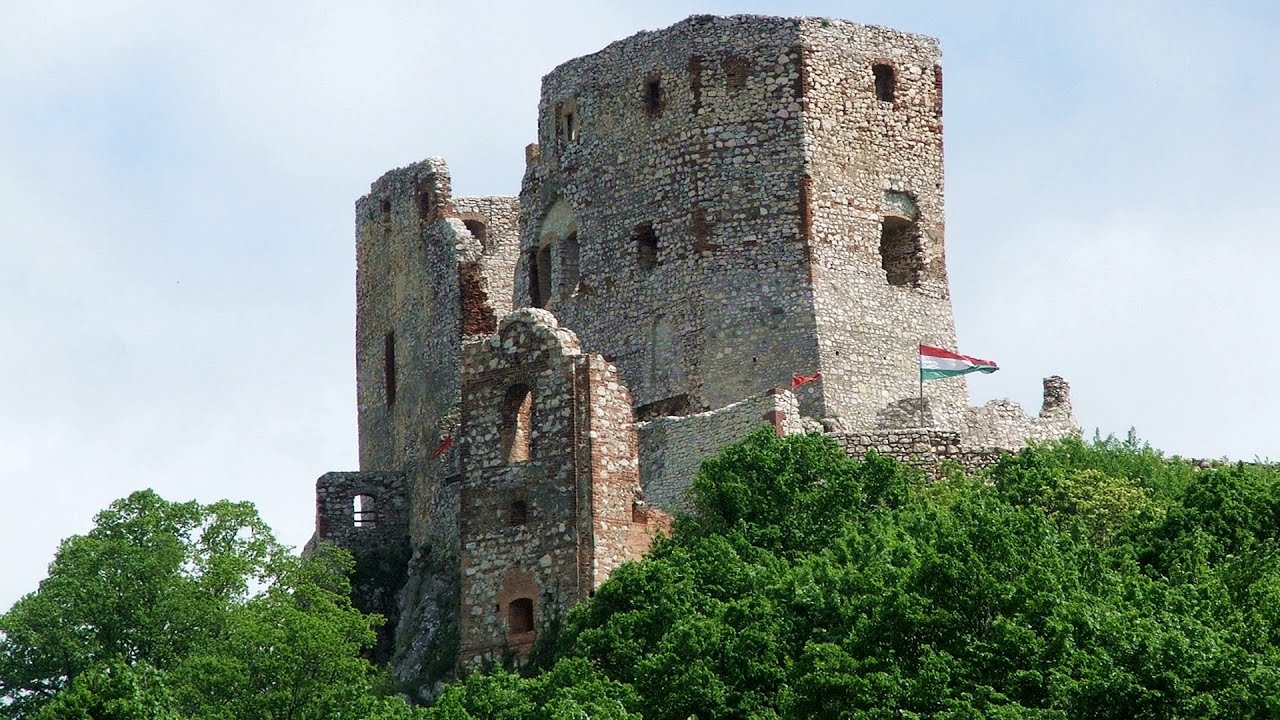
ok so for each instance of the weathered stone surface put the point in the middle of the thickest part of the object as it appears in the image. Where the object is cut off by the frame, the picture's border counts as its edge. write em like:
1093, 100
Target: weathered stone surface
710, 210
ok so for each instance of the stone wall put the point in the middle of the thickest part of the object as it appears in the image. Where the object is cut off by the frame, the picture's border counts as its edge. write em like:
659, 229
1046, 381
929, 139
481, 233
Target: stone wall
925, 448
549, 482
1004, 424
674, 160
367, 514
385, 522
672, 448
875, 179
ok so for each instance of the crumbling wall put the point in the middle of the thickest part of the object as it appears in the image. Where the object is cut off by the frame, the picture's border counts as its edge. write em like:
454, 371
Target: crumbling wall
548, 486
1004, 424
672, 448
367, 514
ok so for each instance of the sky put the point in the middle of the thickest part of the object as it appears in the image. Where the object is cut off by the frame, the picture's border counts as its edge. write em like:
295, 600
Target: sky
177, 184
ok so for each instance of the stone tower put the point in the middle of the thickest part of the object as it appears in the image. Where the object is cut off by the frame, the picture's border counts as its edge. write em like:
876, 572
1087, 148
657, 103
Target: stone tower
710, 210
730, 201
550, 482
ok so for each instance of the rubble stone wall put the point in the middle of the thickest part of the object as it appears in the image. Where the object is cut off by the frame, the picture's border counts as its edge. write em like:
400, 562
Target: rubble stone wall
876, 164
672, 448
543, 519
688, 139
1004, 424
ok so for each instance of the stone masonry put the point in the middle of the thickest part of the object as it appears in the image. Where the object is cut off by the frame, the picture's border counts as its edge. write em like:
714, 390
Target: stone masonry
710, 210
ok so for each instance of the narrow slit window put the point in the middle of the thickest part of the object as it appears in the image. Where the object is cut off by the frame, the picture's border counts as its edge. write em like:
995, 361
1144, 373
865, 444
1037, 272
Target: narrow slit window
389, 367
517, 421
536, 299
653, 96
646, 247
569, 276
520, 616
544, 274
884, 82
364, 515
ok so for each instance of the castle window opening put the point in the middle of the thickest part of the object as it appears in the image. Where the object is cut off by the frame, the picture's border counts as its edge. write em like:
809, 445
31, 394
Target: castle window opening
653, 96
426, 201
363, 513
517, 421
736, 70
646, 246
569, 274
389, 367
520, 616
479, 232
535, 284
544, 275
570, 126
900, 253
518, 514
386, 211
884, 81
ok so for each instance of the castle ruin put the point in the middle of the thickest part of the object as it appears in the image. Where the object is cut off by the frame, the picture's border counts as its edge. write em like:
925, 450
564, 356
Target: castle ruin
710, 210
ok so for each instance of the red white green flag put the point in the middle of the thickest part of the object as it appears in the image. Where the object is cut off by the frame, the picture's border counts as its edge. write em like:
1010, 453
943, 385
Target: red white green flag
937, 363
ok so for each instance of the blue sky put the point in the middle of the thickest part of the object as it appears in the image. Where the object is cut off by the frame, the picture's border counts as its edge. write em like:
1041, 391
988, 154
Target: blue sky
177, 182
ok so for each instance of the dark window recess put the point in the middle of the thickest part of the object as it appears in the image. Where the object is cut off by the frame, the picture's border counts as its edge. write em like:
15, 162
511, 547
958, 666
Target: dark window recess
389, 367
386, 211
900, 253
363, 512
570, 126
539, 279
675, 406
517, 419
735, 73
646, 246
426, 203
653, 96
544, 275
518, 514
520, 616
884, 82
478, 231
569, 276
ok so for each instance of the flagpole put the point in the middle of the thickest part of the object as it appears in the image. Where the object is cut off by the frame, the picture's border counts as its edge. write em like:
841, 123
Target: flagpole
920, 372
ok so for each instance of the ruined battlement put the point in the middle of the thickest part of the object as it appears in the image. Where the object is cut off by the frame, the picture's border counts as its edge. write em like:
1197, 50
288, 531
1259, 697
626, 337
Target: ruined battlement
709, 210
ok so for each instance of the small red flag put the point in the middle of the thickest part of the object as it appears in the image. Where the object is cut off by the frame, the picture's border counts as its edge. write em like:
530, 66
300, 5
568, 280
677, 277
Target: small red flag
798, 380
445, 444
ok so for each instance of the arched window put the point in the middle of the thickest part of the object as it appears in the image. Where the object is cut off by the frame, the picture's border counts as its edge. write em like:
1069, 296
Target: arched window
569, 266
520, 616
900, 253
363, 513
884, 82
518, 513
517, 419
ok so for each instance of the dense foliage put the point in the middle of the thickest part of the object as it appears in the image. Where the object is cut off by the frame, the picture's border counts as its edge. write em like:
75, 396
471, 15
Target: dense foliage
167, 611
1076, 580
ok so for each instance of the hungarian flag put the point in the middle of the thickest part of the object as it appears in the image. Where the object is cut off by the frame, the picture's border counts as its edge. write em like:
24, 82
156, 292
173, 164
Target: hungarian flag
938, 363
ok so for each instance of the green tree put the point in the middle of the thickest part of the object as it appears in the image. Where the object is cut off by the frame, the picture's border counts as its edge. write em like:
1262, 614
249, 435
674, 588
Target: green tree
1073, 580
189, 609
